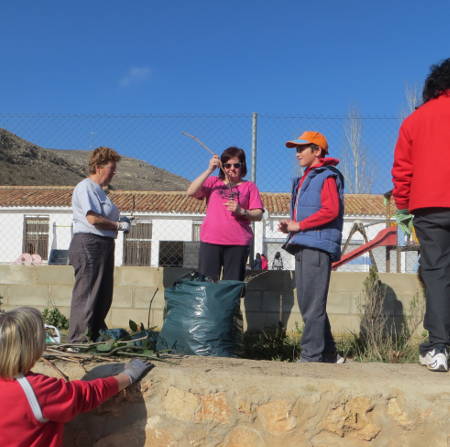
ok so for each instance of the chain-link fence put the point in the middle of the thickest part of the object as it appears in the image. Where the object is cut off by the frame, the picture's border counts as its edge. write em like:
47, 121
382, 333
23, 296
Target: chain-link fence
166, 228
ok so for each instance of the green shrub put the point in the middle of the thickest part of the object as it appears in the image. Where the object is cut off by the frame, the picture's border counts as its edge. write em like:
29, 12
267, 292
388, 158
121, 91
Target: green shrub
54, 317
382, 337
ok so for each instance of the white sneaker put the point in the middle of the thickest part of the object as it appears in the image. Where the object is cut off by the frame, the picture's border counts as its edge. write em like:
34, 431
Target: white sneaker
334, 358
435, 360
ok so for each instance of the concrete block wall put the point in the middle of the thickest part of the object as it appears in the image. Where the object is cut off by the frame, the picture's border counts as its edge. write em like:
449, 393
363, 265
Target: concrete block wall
139, 295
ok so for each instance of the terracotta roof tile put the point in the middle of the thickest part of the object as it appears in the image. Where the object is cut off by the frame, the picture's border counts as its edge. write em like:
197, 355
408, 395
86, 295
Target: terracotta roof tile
168, 201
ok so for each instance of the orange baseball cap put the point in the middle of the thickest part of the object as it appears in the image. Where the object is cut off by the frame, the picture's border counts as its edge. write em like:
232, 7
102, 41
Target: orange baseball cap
309, 137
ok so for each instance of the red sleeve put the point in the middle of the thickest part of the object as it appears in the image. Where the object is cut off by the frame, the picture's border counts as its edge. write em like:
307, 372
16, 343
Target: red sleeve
402, 170
329, 209
61, 401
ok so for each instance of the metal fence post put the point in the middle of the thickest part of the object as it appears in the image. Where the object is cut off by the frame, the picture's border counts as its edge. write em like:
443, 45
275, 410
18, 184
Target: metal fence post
254, 135
253, 176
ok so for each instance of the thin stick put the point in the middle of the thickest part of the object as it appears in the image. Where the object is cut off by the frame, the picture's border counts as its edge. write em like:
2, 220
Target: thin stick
49, 363
200, 142
204, 146
150, 308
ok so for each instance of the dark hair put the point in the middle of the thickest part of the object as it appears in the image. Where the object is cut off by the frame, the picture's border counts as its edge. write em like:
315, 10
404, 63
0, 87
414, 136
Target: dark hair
233, 152
437, 81
277, 255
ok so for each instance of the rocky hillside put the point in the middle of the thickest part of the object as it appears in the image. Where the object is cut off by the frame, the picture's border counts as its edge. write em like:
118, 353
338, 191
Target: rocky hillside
25, 163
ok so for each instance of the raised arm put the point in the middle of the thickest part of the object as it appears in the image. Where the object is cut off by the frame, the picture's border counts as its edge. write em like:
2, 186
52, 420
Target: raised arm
195, 186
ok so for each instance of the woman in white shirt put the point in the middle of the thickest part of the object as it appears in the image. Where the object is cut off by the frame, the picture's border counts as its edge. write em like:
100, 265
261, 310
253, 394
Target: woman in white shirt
96, 221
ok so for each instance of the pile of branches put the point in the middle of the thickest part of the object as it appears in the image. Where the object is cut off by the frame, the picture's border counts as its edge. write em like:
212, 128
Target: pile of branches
110, 348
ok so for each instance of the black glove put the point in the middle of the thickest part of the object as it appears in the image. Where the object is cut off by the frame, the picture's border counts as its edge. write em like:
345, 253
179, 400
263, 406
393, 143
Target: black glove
136, 369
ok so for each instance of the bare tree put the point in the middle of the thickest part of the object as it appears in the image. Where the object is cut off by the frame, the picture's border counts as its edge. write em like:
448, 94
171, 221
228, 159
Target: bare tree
358, 178
412, 99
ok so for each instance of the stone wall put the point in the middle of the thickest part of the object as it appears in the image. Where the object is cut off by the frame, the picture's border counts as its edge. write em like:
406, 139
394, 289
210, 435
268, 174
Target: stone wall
212, 402
139, 294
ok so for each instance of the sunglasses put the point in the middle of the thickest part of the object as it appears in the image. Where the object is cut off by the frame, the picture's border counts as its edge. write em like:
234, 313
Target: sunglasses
234, 165
302, 148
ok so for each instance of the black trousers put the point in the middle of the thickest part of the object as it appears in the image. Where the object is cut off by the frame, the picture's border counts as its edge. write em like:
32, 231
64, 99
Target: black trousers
92, 258
432, 227
312, 280
232, 258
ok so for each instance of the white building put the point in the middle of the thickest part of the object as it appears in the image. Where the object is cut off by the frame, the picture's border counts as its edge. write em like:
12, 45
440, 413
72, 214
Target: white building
165, 232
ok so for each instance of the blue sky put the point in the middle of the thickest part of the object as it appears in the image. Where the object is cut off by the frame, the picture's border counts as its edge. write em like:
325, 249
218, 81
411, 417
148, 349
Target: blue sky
284, 57
217, 56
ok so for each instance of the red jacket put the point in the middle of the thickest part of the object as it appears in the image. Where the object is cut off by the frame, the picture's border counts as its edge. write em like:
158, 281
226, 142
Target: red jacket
421, 171
60, 402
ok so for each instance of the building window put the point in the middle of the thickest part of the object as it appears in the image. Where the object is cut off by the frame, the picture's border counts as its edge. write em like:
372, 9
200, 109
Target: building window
138, 245
196, 231
171, 253
35, 235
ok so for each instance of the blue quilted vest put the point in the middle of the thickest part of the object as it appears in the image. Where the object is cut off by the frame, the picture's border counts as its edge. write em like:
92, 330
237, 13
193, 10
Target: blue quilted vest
327, 237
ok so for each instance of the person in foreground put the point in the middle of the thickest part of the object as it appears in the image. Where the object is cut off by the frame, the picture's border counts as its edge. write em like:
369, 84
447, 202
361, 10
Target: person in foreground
96, 222
232, 204
35, 407
421, 174
315, 234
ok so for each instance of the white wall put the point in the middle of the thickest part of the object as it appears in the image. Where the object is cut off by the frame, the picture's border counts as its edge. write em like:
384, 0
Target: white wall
11, 236
268, 239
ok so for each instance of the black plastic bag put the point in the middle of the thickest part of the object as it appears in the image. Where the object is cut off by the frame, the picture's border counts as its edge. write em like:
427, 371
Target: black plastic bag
200, 315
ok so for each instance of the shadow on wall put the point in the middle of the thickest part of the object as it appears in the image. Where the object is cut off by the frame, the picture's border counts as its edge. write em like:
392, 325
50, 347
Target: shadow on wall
119, 421
269, 299
383, 321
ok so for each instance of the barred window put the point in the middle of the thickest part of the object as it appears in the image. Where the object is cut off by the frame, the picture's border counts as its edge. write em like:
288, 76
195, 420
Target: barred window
138, 245
196, 231
35, 235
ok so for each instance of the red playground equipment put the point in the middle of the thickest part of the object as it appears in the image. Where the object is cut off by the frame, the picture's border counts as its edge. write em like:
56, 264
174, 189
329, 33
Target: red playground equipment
385, 238
388, 237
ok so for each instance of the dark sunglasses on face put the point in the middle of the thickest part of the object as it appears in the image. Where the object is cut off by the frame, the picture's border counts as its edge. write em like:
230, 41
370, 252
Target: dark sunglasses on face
302, 148
229, 165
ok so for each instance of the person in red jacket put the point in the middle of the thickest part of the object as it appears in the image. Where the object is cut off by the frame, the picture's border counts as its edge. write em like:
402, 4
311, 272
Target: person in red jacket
34, 407
264, 262
421, 174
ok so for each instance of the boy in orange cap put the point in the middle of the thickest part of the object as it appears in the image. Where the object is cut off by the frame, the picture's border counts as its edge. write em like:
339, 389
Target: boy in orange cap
314, 237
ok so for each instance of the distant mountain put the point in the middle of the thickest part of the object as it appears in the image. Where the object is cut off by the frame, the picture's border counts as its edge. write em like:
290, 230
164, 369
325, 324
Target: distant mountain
25, 163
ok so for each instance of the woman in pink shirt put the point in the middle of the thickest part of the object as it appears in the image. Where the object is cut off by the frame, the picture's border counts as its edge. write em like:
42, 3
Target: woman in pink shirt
232, 204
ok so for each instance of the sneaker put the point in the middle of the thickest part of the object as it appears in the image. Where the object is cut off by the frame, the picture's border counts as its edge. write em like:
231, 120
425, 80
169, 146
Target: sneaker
435, 360
333, 358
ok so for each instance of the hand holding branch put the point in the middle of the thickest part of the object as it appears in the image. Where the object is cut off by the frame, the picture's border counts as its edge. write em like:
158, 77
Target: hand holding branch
214, 163
233, 206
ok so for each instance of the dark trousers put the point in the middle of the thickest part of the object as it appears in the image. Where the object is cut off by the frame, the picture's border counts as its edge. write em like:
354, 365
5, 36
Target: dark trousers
432, 227
312, 279
92, 258
232, 258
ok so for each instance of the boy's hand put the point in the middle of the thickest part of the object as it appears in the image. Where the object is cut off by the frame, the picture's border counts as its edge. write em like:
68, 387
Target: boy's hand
288, 226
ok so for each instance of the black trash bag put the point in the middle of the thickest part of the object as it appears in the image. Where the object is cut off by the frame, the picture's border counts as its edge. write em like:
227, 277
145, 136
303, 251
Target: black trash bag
199, 316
